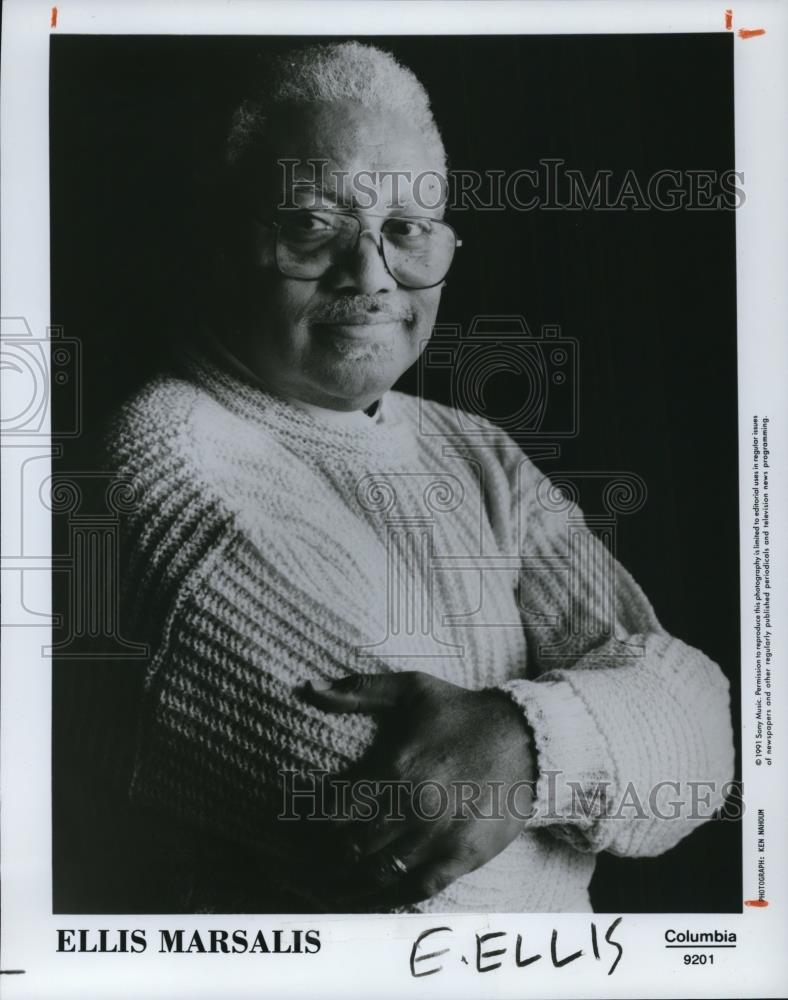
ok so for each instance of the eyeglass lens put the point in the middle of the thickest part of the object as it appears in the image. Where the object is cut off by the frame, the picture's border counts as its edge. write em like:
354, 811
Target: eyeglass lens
418, 252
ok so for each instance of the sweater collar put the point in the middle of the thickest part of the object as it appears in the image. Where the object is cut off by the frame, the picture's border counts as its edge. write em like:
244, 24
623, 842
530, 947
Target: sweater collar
214, 353
218, 372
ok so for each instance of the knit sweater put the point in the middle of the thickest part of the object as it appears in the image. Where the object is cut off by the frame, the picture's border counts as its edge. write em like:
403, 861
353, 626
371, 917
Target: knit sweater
268, 547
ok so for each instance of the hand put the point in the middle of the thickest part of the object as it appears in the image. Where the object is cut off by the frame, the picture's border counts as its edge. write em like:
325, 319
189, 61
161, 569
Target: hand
473, 750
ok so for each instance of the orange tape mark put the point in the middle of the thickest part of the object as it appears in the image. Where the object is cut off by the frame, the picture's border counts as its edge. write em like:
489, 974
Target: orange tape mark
728, 20
53, 18
751, 32
755, 902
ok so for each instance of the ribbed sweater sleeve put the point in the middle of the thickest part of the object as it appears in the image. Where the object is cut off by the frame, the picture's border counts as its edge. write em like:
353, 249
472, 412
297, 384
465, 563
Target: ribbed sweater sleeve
230, 639
222, 713
624, 716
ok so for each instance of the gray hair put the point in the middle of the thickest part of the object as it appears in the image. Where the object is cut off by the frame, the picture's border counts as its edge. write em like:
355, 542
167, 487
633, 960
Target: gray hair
344, 71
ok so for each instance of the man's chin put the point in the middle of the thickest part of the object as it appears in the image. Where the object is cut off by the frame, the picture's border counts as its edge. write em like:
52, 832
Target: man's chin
358, 377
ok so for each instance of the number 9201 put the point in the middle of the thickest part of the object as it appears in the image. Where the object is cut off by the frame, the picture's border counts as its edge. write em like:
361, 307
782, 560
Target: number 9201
699, 959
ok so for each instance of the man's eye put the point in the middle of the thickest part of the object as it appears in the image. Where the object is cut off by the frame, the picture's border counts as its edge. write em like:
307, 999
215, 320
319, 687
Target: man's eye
413, 234
308, 222
408, 228
307, 228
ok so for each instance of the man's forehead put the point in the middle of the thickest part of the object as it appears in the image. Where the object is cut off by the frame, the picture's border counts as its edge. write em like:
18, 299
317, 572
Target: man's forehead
344, 151
323, 183
346, 130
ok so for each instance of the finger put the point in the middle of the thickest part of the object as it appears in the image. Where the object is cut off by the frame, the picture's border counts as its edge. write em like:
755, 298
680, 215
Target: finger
393, 816
367, 839
358, 693
363, 838
364, 792
425, 882
393, 863
370, 809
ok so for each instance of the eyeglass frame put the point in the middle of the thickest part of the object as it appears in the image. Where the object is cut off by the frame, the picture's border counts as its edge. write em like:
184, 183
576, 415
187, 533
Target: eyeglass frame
379, 245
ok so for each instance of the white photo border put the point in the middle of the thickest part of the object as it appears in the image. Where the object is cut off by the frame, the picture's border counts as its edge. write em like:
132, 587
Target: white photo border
360, 954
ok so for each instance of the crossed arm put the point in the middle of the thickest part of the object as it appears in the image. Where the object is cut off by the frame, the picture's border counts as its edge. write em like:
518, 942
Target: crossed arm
612, 703
622, 734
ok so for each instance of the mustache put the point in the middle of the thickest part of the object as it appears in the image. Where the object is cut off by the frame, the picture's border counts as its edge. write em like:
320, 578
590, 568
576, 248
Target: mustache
356, 307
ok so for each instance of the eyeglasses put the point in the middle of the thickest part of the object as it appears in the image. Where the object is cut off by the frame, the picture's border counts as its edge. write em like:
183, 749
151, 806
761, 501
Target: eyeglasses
417, 252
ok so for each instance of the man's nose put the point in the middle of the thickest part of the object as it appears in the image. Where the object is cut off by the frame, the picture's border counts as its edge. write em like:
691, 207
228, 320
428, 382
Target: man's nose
363, 269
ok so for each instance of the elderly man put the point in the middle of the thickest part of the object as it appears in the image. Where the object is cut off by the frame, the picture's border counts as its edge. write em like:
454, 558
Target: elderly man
328, 589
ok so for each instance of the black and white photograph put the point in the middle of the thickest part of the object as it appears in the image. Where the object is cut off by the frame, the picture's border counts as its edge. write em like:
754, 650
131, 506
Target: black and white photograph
402, 564
410, 472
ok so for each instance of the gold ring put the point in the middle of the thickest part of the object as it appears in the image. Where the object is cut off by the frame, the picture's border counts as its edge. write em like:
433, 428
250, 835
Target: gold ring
399, 864
388, 866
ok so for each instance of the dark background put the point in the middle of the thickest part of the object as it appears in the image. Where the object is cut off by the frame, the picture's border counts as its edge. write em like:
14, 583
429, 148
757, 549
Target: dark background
649, 295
